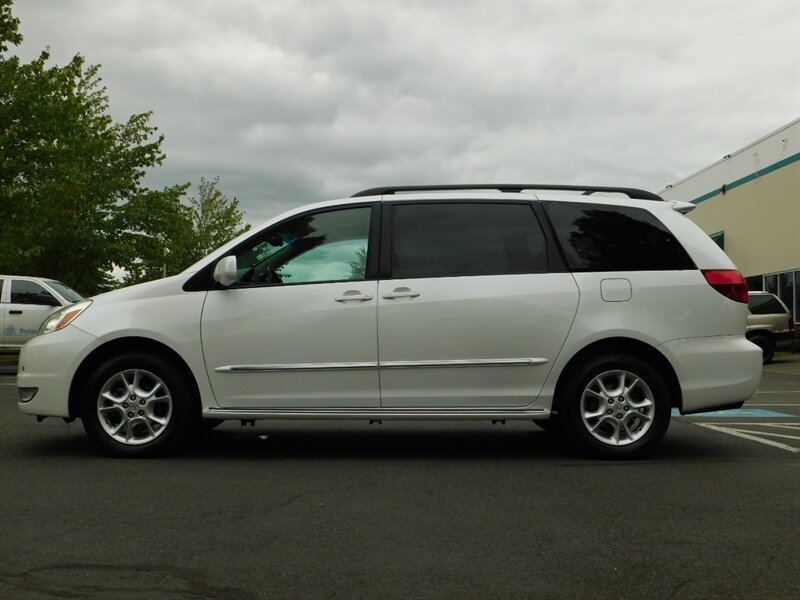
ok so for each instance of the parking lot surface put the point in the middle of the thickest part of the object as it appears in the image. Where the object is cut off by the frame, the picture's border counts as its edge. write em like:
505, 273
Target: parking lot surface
399, 510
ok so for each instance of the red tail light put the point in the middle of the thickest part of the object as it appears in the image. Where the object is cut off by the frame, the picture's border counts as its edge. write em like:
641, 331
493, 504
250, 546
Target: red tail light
729, 283
791, 324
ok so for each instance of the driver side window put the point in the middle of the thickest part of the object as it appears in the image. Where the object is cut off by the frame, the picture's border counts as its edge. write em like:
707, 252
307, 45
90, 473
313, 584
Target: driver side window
322, 247
30, 292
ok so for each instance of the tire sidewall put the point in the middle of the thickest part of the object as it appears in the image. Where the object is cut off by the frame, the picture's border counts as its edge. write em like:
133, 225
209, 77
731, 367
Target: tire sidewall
767, 346
180, 421
576, 430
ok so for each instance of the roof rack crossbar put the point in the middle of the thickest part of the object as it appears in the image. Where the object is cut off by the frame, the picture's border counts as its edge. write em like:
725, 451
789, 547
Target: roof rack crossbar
587, 190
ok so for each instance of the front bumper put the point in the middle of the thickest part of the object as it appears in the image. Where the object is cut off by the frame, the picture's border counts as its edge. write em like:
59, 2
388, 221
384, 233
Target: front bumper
714, 372
48, 362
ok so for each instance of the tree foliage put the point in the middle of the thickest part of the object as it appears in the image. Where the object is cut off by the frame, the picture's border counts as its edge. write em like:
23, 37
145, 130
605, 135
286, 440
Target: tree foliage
72, 201
9, 27
214, 218
172, 244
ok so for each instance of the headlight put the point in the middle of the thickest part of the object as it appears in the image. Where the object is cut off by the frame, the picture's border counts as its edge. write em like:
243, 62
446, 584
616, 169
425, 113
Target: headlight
65, 316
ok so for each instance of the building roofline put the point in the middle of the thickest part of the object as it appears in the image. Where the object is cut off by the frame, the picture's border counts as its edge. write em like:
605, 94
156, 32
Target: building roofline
732, 154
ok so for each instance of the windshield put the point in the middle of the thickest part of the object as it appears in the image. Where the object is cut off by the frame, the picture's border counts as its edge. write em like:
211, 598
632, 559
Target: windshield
68, 293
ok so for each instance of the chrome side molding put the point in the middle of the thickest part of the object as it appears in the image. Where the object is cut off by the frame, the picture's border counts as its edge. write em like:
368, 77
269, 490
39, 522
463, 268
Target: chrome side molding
488, 362
297, 367
397, 364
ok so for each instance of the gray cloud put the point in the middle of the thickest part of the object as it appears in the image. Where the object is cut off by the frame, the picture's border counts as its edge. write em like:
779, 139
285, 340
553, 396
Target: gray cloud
294, 102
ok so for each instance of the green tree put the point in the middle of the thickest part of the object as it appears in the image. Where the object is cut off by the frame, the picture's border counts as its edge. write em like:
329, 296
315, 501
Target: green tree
9, 27
215, 220
72, 202
154, 232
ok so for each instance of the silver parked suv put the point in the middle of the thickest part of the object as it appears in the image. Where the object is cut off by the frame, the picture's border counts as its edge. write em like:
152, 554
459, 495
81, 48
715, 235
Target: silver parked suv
591, 310
769, 324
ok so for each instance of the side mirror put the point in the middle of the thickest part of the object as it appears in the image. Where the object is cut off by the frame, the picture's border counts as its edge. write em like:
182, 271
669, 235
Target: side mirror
225, 271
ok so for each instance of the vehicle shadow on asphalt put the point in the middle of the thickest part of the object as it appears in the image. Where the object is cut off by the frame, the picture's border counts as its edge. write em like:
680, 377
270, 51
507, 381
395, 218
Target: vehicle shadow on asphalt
337, 442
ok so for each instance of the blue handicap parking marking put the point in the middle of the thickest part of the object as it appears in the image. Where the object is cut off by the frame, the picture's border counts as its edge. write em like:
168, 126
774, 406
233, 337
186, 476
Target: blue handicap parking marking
738, 413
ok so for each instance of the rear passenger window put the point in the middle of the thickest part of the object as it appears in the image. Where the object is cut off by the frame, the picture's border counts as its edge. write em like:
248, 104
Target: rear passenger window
619, 238
455, 239
765, 305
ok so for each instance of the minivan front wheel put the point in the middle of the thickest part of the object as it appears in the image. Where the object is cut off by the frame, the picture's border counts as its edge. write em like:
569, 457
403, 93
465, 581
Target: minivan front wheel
136, 405
616, 407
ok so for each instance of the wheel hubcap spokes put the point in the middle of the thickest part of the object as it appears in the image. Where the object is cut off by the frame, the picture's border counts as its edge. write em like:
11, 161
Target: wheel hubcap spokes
617, 407
134, 407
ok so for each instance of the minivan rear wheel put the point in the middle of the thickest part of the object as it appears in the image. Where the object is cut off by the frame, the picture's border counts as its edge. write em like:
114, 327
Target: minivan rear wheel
137, 405
616, 406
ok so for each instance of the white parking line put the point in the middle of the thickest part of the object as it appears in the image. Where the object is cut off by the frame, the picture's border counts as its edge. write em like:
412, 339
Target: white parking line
749, 436
768, 434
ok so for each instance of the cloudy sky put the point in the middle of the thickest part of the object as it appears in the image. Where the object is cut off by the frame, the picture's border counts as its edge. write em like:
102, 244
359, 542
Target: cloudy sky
292, 102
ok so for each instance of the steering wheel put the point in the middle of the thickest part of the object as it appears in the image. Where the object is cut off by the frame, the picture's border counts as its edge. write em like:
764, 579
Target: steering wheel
266, 275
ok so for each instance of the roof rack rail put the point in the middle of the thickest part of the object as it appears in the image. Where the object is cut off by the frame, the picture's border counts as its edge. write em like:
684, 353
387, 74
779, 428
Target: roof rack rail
587, 190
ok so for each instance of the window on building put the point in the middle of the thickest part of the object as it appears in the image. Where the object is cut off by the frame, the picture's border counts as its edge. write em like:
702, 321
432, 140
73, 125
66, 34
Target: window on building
756, 283
787, 287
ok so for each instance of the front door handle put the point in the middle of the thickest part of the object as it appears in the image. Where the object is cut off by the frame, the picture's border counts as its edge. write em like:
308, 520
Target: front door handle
15, 312
401, 292
353, 295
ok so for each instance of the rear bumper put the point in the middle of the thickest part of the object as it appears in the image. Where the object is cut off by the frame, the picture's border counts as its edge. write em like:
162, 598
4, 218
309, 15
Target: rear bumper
714, 372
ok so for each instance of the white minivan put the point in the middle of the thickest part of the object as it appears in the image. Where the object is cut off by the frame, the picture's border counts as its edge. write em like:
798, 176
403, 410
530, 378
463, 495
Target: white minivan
589, 310
25, 302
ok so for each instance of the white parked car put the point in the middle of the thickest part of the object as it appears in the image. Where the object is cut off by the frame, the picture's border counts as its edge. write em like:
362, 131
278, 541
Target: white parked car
594, 313
25, 302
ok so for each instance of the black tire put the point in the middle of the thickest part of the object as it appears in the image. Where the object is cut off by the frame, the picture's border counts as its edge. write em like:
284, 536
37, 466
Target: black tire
767, 345
643, 408
154, 413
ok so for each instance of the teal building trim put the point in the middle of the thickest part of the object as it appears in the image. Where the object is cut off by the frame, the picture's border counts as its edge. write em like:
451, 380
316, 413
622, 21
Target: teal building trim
760, 173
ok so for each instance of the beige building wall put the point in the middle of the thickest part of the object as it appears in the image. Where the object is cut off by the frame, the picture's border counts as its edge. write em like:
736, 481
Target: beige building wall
753, 196
761, 221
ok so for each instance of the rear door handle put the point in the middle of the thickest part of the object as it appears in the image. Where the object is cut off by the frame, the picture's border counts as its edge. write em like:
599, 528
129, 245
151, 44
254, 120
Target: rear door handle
401, 292
353, 295
15, 312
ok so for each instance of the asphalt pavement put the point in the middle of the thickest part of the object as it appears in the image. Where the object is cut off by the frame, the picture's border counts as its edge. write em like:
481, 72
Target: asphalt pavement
407, 510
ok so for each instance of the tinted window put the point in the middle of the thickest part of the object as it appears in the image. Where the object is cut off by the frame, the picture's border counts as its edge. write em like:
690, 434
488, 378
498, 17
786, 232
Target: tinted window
330, 246
30, 292
440, 240
618, 238
765, 305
